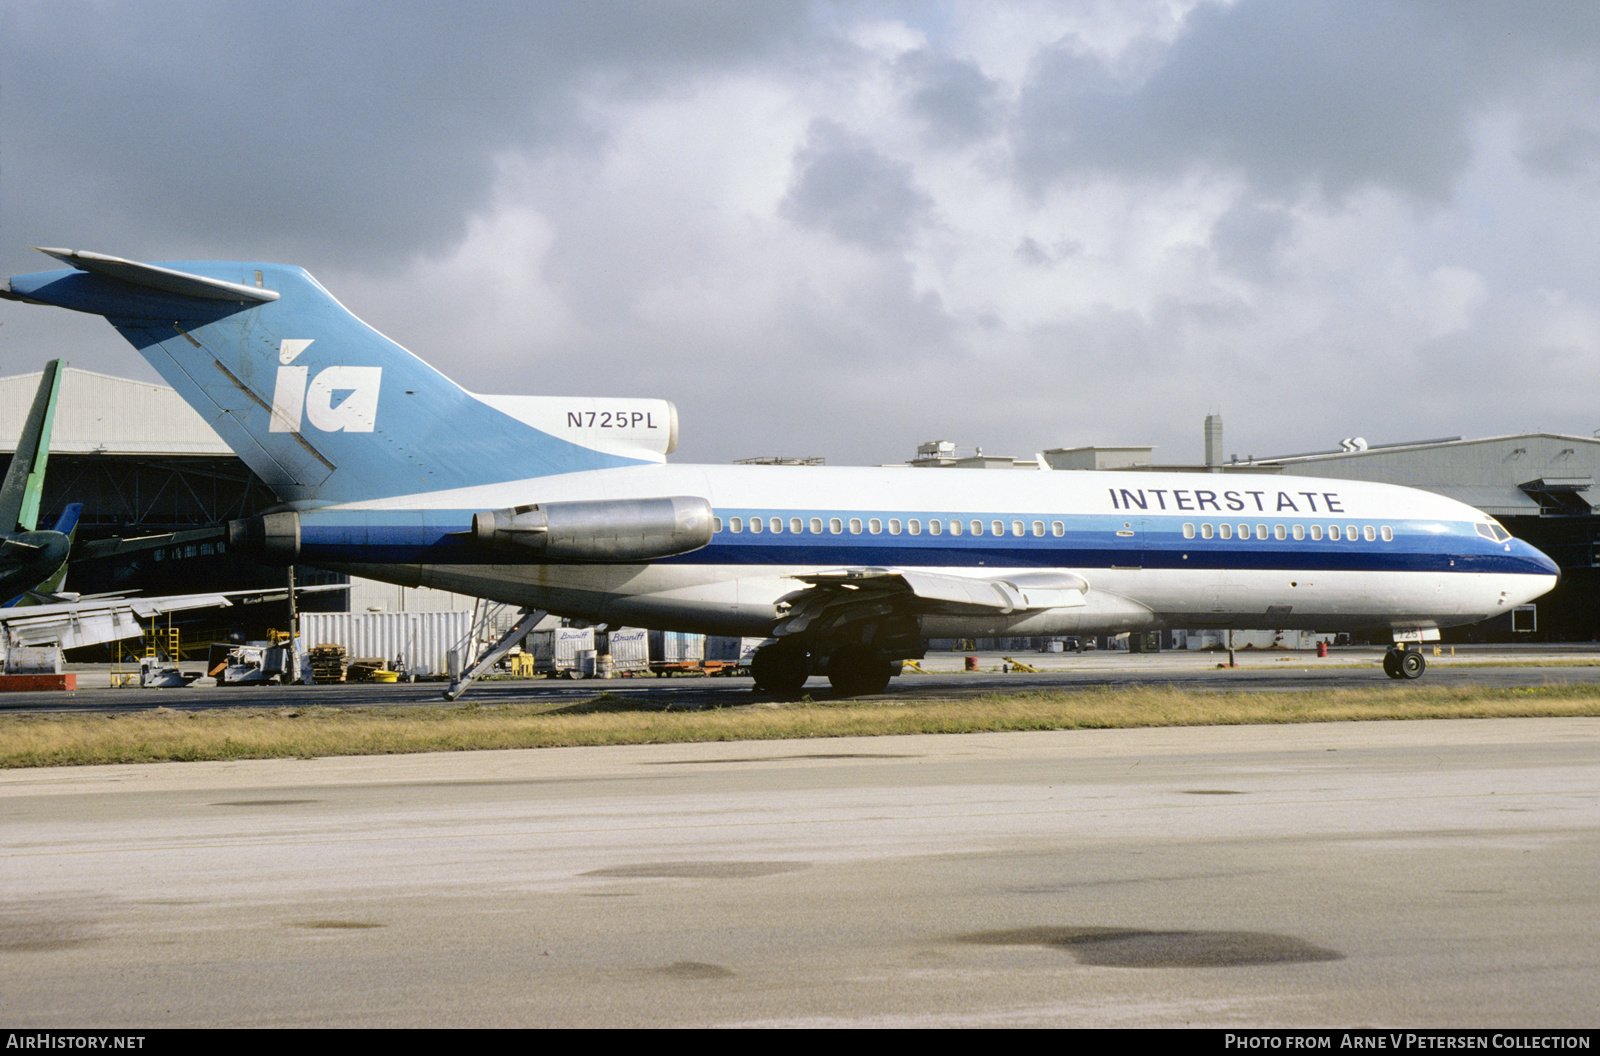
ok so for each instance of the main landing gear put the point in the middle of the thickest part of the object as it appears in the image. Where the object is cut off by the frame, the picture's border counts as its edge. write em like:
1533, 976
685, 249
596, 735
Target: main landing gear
853, 670
1400, 662
780, 669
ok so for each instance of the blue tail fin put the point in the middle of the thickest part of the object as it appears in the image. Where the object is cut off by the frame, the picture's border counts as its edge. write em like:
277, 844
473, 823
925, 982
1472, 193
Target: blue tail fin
321, 406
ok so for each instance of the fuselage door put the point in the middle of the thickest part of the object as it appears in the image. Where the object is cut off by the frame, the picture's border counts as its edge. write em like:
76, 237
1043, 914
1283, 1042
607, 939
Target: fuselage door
1128, 544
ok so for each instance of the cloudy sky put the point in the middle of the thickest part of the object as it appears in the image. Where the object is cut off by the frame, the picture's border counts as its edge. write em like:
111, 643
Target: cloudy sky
841, 229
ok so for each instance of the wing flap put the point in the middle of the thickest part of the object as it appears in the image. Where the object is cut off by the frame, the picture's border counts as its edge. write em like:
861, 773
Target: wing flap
857, 595
1019, 593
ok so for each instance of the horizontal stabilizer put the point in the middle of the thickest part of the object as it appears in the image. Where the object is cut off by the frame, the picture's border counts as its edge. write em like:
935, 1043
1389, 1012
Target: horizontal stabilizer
164, 279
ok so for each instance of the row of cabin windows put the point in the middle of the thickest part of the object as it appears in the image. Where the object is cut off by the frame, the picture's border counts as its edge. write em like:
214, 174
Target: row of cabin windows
177, 553
1315, 532
914, 526
877, 525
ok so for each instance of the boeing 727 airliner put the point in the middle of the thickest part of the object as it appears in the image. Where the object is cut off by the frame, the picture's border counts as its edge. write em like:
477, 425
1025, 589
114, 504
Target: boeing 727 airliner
389, 470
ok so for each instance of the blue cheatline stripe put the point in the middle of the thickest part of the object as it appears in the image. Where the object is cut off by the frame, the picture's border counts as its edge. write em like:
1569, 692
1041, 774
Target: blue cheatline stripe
442, 537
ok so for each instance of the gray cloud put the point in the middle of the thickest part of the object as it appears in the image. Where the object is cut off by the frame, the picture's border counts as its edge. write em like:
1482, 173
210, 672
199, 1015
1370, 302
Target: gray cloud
1248, 237
625, 197
1314, 95
324, 131
844, 186
956, 102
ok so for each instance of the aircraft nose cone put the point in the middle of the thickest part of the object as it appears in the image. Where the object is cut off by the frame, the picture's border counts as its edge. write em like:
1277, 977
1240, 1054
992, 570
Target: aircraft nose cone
1540, 560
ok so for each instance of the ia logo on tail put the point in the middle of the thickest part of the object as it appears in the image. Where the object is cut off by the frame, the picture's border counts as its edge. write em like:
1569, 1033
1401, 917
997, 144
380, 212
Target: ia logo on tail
299, 396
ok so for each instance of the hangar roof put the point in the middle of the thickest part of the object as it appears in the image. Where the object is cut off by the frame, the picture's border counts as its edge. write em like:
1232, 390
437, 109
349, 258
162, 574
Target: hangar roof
1506, 476
101, 414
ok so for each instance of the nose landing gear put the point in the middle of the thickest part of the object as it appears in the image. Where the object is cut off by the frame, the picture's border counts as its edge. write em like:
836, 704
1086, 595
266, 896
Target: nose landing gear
1399, 662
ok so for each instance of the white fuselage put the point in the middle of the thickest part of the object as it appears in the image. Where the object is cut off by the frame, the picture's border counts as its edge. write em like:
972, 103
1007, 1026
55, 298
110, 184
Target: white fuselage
1198, 550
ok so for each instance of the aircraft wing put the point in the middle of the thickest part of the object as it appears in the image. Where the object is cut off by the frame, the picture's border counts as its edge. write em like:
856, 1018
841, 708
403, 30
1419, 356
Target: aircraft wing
848, 595
79, 623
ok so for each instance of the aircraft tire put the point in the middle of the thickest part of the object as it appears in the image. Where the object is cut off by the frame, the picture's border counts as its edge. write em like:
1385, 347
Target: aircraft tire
779, 670
855, 670
1412, 664
1391, 664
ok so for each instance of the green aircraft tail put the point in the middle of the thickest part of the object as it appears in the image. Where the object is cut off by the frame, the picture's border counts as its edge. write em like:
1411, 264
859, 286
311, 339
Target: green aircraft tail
24, 484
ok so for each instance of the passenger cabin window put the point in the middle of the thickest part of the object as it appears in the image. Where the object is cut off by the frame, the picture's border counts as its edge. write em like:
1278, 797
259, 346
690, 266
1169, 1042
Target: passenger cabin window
716, 524
935, 526
836, 526
1188, 531
955, 527
796, 525
1207, 531
1038, 528
875, 526
755, 525
977, 527
855, 526
775, 525
737, 524
816, 526
997, 527
894, 526
1057, 529
915, 526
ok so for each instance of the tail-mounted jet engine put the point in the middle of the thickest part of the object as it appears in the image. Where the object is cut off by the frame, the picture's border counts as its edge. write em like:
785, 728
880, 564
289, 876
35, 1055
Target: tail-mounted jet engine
623, 530
616, 530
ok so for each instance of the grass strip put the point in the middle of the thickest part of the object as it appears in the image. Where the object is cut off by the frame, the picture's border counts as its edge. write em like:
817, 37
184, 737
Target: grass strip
164, 735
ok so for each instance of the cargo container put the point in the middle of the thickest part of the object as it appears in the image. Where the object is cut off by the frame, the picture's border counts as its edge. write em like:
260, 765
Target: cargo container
675, 652
417, 644
629, 650
731, 656
559, 651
